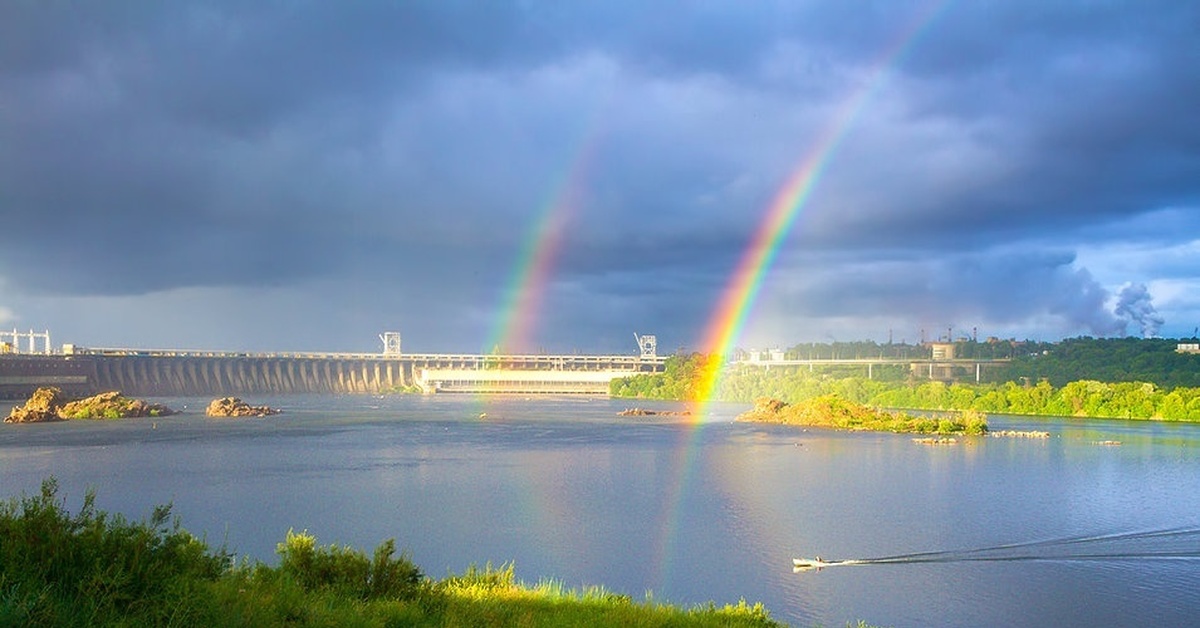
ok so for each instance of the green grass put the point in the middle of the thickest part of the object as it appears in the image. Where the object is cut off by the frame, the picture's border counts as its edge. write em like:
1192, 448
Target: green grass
93, 569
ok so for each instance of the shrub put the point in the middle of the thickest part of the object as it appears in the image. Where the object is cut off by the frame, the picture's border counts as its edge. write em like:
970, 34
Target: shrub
924, 425
348, 571
974, 422
49, 558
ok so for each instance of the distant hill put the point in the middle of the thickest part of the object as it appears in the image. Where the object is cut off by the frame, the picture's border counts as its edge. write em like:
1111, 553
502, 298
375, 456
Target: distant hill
1153, 360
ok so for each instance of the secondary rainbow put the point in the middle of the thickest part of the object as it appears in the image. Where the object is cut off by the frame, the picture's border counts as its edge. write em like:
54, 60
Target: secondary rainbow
530, 277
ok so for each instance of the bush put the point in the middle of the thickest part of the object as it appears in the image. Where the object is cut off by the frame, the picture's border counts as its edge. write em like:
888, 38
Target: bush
50, 560
974, 422
348, 571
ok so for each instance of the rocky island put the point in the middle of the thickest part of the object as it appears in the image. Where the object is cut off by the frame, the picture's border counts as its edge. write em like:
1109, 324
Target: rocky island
831, 411
50, 404
234, 407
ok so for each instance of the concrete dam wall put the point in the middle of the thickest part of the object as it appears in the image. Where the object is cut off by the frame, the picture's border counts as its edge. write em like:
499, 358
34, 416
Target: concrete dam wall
167, 376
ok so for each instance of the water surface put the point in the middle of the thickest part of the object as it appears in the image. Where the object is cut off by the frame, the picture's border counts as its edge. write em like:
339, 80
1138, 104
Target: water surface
568, 490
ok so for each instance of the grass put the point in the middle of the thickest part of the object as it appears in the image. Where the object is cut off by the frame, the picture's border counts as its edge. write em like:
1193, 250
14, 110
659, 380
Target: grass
94, 569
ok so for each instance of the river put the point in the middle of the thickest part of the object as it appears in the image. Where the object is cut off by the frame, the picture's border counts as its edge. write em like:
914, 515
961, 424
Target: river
568, 490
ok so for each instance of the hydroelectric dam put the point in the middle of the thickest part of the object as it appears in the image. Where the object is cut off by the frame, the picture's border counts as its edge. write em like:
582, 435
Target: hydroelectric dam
169, 373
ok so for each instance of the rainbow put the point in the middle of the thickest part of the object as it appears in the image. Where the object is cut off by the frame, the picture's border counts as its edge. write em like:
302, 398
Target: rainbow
741, 292
527, 283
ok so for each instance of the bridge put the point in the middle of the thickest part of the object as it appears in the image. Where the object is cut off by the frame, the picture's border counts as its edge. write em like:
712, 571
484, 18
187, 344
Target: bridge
946, 369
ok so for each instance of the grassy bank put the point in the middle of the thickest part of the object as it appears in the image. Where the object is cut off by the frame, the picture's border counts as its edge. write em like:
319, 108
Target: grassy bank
96, 569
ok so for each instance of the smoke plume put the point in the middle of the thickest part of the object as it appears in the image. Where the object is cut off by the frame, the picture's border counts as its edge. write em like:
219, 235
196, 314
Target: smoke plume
1134, 306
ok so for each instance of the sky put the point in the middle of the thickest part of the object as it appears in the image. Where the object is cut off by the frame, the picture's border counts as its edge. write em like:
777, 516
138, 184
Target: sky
557, 176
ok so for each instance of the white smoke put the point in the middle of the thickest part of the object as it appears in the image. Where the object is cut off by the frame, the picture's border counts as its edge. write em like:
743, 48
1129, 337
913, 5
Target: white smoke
1134, 306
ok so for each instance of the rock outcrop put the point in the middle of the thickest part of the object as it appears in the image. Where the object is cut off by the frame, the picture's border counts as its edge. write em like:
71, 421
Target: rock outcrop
42, 406
766, 409
111, 405
234, 407
50, 404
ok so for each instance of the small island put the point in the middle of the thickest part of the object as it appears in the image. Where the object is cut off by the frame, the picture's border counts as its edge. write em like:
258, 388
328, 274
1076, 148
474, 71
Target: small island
51, 404
833, 412
234, 407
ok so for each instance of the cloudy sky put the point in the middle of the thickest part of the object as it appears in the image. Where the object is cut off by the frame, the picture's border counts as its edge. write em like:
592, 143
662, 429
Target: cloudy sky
306, 175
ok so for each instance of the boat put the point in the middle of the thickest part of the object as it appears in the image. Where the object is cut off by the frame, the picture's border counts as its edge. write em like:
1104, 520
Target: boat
803, 564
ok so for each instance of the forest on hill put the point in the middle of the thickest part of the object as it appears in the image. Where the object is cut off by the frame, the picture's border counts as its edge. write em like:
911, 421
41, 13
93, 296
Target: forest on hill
1153, 360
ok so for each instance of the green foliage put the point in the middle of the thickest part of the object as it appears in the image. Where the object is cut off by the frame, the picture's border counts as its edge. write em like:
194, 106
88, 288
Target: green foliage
347, 570
56, 568
679, 379
1110, 360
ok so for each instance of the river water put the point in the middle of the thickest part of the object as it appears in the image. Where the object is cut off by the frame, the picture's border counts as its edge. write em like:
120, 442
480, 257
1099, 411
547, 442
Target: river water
568, 490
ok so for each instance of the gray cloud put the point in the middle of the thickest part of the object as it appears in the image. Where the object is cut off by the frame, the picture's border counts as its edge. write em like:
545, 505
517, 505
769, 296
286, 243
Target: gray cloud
394, 157
1134, 306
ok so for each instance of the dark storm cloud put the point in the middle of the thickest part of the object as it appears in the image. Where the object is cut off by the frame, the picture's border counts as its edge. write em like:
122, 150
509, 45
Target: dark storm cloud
403, 152
997, 288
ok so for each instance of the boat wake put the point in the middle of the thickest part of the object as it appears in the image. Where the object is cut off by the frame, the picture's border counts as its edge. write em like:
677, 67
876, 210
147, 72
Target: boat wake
1181, 543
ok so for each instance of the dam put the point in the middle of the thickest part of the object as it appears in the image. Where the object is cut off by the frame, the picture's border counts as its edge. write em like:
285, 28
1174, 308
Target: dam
167, 373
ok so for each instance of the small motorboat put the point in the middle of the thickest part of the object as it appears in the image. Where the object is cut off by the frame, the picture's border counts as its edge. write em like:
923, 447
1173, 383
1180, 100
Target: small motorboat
802, 564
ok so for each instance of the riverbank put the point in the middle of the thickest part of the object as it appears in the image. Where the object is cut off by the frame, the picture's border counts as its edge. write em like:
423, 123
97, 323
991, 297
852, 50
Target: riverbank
91, 568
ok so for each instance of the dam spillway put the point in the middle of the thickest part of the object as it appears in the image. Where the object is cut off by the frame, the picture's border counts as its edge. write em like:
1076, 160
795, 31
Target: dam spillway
196, 373
183, 375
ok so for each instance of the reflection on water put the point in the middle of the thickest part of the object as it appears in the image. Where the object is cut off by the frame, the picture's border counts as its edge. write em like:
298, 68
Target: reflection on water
996, 531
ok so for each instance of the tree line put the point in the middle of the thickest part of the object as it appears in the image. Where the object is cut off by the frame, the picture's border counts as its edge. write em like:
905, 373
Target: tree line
1116, 378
